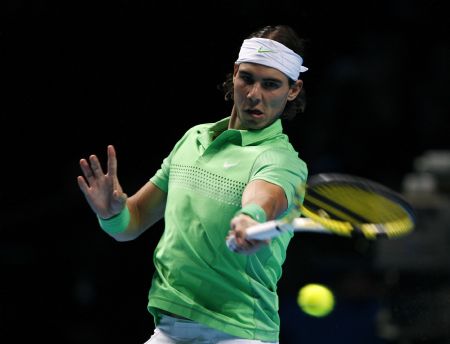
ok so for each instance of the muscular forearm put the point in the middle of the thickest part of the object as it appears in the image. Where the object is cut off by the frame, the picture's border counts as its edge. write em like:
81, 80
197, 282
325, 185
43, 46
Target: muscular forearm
269, 196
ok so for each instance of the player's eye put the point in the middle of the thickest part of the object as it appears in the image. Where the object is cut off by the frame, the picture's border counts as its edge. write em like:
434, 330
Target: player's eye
246, 78
271, 85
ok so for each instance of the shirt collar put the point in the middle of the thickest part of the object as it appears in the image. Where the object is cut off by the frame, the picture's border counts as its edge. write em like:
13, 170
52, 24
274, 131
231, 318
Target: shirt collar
248, 137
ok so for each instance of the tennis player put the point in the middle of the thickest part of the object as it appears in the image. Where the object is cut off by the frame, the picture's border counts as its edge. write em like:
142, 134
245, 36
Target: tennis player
219, 179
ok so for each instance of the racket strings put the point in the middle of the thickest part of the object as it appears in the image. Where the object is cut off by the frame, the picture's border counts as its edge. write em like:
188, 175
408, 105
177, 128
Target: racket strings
339, 227
372, 213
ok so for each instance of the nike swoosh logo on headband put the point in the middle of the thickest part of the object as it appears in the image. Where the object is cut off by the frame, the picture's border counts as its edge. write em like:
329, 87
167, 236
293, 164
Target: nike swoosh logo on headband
262, 50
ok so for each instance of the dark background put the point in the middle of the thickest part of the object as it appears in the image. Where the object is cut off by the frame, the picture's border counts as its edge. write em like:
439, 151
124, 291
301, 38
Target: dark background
77, 76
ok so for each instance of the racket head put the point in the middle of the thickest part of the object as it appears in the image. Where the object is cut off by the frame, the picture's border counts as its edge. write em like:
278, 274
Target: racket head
349, 205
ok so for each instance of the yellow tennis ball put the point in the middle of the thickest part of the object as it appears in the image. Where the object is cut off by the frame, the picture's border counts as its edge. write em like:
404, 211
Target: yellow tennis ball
316, 300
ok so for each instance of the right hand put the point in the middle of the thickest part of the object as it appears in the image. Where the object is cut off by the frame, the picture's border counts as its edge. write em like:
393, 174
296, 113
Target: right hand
242, 244
102, 191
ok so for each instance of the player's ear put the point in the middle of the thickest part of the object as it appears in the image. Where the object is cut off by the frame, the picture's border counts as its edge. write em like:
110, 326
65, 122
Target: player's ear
295, 90
235, 70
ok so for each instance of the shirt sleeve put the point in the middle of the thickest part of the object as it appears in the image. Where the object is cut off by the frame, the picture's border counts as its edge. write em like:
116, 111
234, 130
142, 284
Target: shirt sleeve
161, 177
283, 168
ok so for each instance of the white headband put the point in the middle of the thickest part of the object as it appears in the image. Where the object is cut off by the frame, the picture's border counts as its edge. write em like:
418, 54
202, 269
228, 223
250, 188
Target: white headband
271, 53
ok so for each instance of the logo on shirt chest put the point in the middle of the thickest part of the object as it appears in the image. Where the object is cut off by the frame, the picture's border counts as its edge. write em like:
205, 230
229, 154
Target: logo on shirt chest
228, 164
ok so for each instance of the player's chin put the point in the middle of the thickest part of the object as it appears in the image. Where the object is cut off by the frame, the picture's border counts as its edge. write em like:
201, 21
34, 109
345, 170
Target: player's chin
255, 122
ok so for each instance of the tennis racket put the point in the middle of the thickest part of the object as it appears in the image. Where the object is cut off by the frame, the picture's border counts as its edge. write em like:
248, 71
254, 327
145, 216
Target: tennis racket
343, 205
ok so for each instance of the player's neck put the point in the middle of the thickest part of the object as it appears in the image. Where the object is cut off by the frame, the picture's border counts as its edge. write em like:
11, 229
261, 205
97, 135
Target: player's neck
234, 119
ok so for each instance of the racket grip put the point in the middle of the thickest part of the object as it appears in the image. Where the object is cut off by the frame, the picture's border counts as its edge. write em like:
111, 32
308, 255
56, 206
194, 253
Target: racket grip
267, 230
262, 231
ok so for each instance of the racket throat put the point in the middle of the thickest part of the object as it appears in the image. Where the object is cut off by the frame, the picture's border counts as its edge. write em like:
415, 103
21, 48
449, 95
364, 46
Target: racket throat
304, 224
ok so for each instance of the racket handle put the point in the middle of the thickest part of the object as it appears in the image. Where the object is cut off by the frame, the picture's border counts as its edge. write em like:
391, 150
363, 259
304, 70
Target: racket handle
267, 230
262, 231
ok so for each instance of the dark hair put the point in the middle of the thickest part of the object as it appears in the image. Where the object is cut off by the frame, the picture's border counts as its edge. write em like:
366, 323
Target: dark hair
288, 37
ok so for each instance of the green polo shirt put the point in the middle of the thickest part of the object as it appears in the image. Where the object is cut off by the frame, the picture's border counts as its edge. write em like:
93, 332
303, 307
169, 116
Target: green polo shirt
196, 275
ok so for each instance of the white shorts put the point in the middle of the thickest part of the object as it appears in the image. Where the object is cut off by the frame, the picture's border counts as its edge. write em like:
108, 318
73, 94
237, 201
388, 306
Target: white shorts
172, 330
